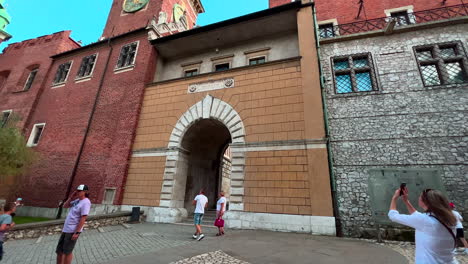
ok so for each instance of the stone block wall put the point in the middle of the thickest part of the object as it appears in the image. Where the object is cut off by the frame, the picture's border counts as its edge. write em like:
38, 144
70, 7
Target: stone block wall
402, 125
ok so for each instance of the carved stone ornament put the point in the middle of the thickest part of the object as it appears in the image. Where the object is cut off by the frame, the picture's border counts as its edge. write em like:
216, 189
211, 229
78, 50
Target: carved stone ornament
211, 85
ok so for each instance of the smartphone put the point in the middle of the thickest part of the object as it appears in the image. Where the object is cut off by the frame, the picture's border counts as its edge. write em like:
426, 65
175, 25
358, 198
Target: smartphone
402, 187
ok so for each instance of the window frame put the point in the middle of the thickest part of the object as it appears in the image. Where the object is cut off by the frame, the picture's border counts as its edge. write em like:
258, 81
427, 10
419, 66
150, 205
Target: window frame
226, 59
32, 136
54, 83
191, 70
221, 63
131, 65
4, 122
409, 14
28, 84
352, 72
440, 61
320, 27
256, 58
190, 66
78, 77
114, 189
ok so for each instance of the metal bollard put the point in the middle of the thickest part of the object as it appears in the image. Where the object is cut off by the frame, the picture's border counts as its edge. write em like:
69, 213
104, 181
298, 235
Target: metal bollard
135, 218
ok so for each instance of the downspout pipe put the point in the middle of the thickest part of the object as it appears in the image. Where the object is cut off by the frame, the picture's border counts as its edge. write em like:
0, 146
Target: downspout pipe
336, 205
88, 126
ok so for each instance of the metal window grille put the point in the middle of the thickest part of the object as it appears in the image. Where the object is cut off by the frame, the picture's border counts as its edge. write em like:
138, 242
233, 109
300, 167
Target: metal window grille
30, 80
402, 18
256, 61
442, 64
87, 65
327, 31
127, 55
354, 73
62, 72
191, 73
222, 67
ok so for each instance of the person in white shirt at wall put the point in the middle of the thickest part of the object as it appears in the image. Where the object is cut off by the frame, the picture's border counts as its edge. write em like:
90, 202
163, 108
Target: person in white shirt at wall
200, 202
220, 209
460, 233
435, 227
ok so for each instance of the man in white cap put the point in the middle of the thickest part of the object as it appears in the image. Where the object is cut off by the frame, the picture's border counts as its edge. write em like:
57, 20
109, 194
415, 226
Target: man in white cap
79, 209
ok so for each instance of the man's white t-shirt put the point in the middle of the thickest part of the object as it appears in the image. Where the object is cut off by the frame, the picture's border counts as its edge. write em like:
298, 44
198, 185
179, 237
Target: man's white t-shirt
459, 219
434, 244
221, 200
201, 202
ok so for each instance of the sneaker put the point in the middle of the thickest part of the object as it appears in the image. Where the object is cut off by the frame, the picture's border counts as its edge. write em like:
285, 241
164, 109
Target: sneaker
201, 237
194, 236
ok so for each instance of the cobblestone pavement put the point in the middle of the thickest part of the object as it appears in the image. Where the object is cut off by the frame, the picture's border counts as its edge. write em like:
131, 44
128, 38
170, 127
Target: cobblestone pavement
211, 257
407, 250
166, 243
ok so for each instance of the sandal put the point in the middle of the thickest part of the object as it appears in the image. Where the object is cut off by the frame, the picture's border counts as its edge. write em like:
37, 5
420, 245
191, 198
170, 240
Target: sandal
219, 234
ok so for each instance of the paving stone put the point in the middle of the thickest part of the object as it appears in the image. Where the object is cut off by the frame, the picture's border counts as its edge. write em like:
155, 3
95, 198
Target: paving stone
211, 258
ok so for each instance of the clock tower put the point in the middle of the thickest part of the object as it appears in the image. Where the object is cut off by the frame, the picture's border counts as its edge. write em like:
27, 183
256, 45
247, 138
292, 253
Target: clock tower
128, 15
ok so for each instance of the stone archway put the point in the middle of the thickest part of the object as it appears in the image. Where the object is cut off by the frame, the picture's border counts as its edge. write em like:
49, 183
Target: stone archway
175, 174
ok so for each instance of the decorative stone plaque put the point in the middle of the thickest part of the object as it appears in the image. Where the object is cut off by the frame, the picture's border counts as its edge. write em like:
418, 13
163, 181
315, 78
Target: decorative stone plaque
211, 85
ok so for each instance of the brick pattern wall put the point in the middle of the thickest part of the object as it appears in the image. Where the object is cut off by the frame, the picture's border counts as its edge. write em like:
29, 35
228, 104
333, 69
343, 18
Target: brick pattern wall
346, 11
145, 177
403, 125
277, 182
267, 97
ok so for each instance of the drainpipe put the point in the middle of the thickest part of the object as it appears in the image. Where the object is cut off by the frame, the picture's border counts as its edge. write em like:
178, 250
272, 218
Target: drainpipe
336, 212
88, 126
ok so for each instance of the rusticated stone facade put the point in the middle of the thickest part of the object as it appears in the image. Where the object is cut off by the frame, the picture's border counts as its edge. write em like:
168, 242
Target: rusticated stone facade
402, 125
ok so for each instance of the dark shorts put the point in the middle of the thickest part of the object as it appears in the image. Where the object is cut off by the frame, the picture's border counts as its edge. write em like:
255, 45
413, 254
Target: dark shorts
460, 233
1, 250
197, 218
66, 244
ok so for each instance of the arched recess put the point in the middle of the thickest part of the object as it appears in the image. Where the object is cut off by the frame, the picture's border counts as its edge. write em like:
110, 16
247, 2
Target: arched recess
175, 173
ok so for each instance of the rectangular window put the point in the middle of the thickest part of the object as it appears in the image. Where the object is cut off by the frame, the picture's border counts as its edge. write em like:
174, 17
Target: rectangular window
127, 55
442, 64
222, 67
258, 60
354, 73
87, 66
402, 18
190, 73
62, 73
327, 31
36, 134
29, 82
5, 117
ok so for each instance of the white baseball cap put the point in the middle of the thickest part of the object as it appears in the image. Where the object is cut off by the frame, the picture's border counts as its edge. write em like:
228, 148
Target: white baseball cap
82, 187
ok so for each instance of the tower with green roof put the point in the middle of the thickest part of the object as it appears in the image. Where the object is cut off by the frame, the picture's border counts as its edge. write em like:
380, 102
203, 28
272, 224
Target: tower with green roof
4, 21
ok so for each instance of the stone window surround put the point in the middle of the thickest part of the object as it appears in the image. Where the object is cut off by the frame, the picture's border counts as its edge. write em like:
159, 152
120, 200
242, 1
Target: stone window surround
373, 72
132, 65
61, 84
87, 77
222, 60
113, 196
33, 134
195, 65
460, 48
36, 69
9, 111
333, 21
409, 9
257, 53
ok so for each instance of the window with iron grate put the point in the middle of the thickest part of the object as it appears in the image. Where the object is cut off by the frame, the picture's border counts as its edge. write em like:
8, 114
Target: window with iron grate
442, 64
402, 18
5, 117
354, 73
87, 66
62, 73
127, 55
327, 30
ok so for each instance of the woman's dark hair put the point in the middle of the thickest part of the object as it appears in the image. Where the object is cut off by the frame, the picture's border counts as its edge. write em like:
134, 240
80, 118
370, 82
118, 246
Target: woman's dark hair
87, 195
438, 205
8, 207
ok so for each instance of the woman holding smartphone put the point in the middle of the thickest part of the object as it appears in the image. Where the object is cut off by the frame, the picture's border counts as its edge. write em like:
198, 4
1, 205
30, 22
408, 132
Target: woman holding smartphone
435, 227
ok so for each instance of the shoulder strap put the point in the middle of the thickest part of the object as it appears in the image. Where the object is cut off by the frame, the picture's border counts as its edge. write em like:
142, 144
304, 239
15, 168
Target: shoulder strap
448, 229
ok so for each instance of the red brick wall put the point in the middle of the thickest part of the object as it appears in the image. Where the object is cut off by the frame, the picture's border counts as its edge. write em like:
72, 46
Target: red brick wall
66, 111
345, 11
119, 22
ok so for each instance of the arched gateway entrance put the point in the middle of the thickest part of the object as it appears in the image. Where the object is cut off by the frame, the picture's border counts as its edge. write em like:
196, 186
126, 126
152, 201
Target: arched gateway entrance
195, 153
